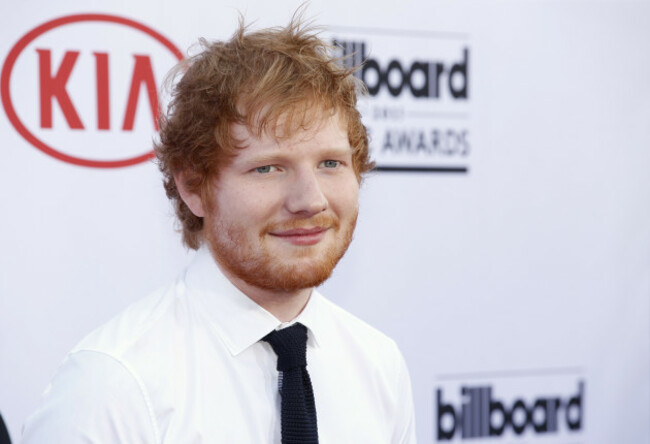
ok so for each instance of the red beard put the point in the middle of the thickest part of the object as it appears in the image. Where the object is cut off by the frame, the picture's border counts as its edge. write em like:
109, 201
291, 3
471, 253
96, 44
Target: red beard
252, 261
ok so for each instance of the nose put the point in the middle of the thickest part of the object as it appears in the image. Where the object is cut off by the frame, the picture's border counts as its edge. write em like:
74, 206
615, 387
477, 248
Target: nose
305, 195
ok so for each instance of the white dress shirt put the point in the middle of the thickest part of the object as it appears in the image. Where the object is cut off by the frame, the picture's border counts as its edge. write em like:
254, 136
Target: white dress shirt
186, 365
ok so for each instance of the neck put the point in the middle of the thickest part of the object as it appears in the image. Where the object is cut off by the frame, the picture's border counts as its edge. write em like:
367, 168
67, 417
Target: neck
284, 305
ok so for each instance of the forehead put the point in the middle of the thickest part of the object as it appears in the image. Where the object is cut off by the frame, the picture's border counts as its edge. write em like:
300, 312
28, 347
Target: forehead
320, 131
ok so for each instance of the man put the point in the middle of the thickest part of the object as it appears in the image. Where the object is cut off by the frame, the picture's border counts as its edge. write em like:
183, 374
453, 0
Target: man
262, 151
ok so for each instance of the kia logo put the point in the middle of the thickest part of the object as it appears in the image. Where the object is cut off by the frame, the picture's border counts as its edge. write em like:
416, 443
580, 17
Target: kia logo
83, 88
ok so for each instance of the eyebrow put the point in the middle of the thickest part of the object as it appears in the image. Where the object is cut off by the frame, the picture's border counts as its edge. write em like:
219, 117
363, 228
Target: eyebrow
279, 156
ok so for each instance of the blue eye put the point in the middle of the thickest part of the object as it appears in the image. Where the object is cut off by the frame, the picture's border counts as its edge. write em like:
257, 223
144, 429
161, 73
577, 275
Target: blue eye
264, 169
331, 163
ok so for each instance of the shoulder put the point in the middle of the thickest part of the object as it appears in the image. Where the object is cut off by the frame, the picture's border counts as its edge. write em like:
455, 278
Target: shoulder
135, 323
356, 335
106, 372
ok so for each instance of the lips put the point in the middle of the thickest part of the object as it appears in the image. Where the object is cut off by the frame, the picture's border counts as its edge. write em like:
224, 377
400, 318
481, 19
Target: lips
301, 236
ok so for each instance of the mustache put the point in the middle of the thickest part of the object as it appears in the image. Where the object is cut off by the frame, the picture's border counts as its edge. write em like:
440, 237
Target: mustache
320, 220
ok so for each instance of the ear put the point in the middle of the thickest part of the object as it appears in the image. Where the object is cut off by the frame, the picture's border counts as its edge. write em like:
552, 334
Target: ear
192, 199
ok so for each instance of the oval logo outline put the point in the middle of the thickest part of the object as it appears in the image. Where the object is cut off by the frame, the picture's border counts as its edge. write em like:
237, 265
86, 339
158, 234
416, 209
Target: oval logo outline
16, 50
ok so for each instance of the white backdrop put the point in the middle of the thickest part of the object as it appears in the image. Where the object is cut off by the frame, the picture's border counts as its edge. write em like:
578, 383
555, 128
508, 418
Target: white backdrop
513, 268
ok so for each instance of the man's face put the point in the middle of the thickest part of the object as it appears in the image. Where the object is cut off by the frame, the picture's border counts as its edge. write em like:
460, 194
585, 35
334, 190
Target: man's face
283, 212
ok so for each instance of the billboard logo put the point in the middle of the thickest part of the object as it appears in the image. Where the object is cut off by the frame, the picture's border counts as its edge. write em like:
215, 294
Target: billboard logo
91, 82
483, 415
422, 78
419, 105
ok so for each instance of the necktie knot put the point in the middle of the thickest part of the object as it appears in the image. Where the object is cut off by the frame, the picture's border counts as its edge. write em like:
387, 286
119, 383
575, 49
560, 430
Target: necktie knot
290, 345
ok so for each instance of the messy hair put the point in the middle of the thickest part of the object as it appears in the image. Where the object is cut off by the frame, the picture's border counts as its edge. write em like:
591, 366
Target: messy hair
282, 75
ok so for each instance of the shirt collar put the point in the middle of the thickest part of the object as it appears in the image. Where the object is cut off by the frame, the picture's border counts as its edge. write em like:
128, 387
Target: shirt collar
239, 321
312, 318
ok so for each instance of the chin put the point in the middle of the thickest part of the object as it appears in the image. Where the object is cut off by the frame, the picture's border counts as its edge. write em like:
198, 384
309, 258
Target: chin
289, 278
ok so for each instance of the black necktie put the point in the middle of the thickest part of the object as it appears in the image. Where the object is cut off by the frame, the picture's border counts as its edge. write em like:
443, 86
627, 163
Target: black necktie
298, 409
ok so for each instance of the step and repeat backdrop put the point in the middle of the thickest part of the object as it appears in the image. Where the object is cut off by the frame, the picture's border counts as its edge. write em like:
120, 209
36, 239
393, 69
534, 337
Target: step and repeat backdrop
503, 241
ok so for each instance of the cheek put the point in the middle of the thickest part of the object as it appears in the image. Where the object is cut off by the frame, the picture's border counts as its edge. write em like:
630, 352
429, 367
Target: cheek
249, 205
345, 198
